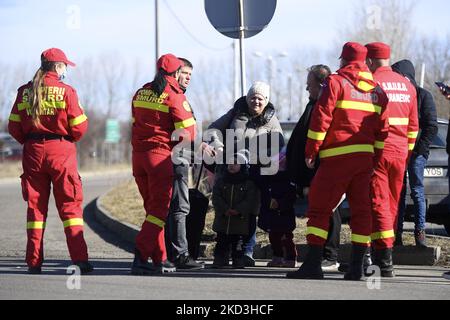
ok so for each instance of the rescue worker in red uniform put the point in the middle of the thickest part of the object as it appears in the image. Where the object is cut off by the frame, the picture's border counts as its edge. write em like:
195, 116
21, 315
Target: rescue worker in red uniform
159, 109
47, 119
387, 181
347, 121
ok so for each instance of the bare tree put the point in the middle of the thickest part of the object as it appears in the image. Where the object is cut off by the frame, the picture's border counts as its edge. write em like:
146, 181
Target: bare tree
381, 20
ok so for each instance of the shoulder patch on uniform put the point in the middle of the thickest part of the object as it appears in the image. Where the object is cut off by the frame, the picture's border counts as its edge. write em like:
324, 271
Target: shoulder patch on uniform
187, 106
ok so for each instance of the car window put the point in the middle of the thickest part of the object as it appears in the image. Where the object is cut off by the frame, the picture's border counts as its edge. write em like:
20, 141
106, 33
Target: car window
440, 140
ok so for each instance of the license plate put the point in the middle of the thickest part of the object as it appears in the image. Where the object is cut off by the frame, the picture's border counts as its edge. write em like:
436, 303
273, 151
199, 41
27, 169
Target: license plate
434, 172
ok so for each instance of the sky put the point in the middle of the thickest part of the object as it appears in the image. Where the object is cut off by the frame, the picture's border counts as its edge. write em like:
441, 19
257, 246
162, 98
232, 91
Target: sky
85, 28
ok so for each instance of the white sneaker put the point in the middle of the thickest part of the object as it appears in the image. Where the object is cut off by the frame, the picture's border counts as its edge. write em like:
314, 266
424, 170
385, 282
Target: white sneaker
328, 265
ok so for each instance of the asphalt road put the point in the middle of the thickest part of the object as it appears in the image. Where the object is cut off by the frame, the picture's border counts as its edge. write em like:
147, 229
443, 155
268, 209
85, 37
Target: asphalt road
112, 259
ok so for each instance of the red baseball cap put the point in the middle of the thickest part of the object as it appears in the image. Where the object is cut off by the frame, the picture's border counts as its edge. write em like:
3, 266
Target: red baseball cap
378, 50
56, 55
353, 51
169, 63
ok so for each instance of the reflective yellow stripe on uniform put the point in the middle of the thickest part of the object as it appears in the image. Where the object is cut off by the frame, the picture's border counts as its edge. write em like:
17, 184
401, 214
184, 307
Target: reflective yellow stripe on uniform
317, 232
151, 106
76, 121
361, 106
23, 106
14, 117
382, 235
53, 104
73, 222
185, 124
366, 75
398, 121
413, 134
319, 136
155, 220
360, 239
356, 148
36, 225
411, 146
379, 145
365, 86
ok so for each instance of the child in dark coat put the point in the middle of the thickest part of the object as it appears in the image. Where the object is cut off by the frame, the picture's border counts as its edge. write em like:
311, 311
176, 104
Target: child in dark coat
277, 216
235, 198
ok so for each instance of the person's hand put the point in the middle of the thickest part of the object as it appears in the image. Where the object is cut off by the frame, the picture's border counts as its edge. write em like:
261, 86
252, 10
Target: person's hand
310, 162
206, 148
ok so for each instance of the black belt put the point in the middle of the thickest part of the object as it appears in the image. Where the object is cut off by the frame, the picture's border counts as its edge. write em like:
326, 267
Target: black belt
47, 136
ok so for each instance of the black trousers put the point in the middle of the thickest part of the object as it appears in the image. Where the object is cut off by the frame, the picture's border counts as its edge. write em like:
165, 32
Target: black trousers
225, 242
331, 249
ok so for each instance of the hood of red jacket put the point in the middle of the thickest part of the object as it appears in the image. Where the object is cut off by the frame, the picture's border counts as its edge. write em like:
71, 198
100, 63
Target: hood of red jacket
359, 75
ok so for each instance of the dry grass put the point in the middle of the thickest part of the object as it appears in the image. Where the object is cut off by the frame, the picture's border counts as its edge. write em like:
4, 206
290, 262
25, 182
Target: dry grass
125, 203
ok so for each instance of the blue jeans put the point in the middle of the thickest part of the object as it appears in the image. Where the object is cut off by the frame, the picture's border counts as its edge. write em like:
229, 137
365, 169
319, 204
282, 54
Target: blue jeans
416, 170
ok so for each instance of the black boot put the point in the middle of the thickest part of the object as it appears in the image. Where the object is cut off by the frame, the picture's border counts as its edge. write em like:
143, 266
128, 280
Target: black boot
312, 267
141, 267
383, 259
34, 270
85, 267
356, 266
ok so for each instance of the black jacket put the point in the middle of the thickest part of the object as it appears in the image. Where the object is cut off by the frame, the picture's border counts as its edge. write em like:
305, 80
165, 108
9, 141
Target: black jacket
427, 109
295, 152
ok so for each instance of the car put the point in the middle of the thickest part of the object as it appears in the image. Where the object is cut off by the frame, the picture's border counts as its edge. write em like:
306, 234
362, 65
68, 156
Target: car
435, 182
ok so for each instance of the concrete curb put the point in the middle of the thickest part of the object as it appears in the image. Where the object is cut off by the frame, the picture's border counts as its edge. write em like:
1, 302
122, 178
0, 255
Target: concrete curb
125, 231
406, 255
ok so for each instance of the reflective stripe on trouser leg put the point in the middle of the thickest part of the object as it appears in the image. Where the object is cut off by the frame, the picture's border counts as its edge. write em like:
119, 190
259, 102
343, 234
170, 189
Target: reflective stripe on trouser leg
358, 197
386, 185
36, 191
326, 191
156, 172
68, 194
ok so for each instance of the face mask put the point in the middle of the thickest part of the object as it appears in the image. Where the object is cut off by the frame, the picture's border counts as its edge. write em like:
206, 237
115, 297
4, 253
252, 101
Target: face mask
63, 75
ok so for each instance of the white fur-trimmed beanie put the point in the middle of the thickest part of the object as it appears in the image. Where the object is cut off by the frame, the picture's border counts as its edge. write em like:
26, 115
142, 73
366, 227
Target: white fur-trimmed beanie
260, 88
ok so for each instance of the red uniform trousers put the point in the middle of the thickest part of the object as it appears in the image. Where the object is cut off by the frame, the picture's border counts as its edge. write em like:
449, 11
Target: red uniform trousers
45, 163
153, 172
386, 187
347, 174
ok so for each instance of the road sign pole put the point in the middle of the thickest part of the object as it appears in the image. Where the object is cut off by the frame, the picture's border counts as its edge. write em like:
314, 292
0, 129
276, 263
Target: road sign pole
241, 46
156, 33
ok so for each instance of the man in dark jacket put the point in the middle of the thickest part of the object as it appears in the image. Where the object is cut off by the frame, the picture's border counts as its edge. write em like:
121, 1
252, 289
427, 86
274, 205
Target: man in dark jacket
428, 129
298, 170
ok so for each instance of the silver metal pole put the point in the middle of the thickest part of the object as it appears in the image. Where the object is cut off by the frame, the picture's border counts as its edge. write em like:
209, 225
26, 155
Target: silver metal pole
156, 32
422, 75
236, 69
241, 45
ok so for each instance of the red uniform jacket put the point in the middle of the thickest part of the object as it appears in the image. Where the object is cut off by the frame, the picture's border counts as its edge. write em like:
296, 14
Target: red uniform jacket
402, 112
155, 118
61, 112
349, 116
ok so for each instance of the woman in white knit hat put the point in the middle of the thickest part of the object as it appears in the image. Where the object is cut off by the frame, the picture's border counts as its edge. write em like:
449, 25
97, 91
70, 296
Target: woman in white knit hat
253, 120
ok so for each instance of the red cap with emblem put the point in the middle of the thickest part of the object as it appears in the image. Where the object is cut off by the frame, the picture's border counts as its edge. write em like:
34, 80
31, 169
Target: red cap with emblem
353, 51
169, 63
378, 50
56, 55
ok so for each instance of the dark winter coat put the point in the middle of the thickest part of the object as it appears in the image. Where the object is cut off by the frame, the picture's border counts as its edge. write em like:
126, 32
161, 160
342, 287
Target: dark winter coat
427, 109
242, 196
280, 188
251, 129
295, 153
